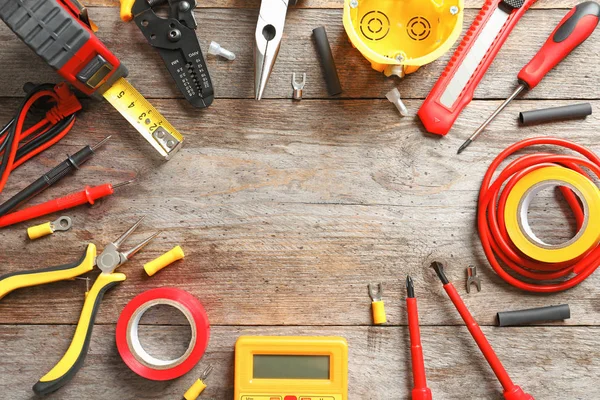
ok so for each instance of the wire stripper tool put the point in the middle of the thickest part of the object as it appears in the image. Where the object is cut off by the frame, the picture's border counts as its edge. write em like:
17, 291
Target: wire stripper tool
176, 41
108, 261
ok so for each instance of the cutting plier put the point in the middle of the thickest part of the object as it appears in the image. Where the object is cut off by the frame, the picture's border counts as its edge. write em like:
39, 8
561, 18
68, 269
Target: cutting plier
269, 31
108, 261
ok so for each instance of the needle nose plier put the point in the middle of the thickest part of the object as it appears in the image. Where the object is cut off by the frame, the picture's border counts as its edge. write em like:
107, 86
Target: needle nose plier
108, 261
269, 31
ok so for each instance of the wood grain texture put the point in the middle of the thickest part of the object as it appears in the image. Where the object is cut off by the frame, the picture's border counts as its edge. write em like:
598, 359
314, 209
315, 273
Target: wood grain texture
549, 363
287, 210
294, 213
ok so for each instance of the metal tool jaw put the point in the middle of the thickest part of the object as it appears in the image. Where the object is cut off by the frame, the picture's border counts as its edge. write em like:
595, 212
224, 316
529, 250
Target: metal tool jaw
176, 41
472, 278
269, 31
111, 258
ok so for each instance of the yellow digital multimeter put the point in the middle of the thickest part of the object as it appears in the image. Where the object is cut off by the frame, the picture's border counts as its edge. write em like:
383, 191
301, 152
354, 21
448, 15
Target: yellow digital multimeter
291, 368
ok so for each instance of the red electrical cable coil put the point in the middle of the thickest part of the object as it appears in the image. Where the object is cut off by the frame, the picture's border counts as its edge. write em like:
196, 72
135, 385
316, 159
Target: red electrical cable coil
519, 270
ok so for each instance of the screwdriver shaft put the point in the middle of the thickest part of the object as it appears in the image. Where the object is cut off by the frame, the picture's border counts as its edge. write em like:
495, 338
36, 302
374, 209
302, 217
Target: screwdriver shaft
479, 130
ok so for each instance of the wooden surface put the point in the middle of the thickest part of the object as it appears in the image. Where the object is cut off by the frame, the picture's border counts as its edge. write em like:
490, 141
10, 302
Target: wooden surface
287, 210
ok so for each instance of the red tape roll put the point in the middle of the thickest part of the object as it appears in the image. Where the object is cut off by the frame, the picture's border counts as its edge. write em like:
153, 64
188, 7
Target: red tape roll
131, 350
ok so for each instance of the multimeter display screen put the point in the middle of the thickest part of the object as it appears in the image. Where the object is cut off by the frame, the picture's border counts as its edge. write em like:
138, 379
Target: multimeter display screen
268, 366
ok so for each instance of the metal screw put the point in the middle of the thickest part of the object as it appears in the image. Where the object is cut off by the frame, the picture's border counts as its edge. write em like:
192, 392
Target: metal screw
354, 3
400, 58
454, 10
170, 144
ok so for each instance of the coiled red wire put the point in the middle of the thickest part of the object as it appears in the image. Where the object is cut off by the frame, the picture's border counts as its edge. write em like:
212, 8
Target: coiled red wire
516, 268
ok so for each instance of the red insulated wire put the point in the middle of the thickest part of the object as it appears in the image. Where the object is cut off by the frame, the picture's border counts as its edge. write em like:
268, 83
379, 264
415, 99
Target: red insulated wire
508, 262
66, 104
19, 135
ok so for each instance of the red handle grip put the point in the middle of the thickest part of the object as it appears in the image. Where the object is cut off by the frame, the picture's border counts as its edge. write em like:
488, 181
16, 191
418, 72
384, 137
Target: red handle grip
420, 390
573, 30
437, 115
88, 195
511, 391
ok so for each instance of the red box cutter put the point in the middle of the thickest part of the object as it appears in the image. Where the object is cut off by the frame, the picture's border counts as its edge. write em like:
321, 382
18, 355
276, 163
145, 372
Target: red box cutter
60, 32
471, 60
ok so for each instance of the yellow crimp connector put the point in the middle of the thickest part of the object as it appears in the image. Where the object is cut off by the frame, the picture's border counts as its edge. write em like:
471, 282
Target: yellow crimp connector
176, 253
377, 305
198, 387
195, 390
38, 231
379, 316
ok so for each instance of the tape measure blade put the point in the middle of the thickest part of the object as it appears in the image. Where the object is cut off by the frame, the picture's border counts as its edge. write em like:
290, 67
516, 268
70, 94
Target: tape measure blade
144, 118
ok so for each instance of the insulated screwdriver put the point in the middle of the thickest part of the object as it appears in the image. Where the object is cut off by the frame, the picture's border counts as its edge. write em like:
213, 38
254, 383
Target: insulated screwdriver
88, 195
573, 30
511, 391
51, 177
420, 390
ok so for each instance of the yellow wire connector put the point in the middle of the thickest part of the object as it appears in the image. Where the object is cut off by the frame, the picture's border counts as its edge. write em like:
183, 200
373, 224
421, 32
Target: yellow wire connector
198, 387
176, 253
38, 231
377, 305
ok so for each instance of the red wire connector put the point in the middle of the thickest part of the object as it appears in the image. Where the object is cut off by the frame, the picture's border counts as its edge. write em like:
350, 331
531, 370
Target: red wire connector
420, 390
511, 391
66, 104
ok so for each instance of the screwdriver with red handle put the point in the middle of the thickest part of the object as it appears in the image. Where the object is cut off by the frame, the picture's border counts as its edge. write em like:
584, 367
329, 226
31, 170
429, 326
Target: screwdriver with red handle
511, 391
573, 30
420, 390
88, 195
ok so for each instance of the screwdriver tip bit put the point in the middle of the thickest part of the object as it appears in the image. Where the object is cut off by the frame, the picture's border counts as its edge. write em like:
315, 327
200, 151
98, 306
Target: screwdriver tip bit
439, 270
410, 288
466, 144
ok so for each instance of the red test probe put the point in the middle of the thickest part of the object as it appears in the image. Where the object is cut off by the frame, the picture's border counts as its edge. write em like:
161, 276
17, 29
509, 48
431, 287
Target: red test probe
511, 391
420, 390
88, 195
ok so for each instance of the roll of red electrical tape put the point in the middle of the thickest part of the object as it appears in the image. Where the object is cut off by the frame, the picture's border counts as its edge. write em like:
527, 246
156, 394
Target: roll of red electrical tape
131, 350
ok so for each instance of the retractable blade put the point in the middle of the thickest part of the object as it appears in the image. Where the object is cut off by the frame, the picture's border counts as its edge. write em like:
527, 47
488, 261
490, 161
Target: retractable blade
455, 88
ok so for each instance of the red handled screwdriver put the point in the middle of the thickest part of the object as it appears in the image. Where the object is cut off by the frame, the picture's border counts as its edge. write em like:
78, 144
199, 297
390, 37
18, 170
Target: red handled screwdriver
420, 391
573, 30
511, 391
88, 195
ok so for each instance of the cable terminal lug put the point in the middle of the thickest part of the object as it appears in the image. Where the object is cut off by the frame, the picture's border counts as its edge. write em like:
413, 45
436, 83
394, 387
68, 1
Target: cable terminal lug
377, 305
38, 231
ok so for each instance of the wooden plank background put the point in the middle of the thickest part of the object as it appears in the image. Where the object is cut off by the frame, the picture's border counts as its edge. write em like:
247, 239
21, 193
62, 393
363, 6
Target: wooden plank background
287, 210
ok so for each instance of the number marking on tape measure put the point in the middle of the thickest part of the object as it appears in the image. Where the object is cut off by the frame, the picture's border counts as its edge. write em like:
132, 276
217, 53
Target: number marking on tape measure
144, 118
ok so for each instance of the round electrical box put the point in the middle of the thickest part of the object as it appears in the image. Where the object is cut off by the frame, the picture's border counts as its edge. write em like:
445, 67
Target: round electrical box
399, 36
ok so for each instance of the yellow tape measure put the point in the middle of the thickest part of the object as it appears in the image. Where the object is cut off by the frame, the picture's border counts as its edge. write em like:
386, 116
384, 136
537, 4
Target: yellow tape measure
144, 118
